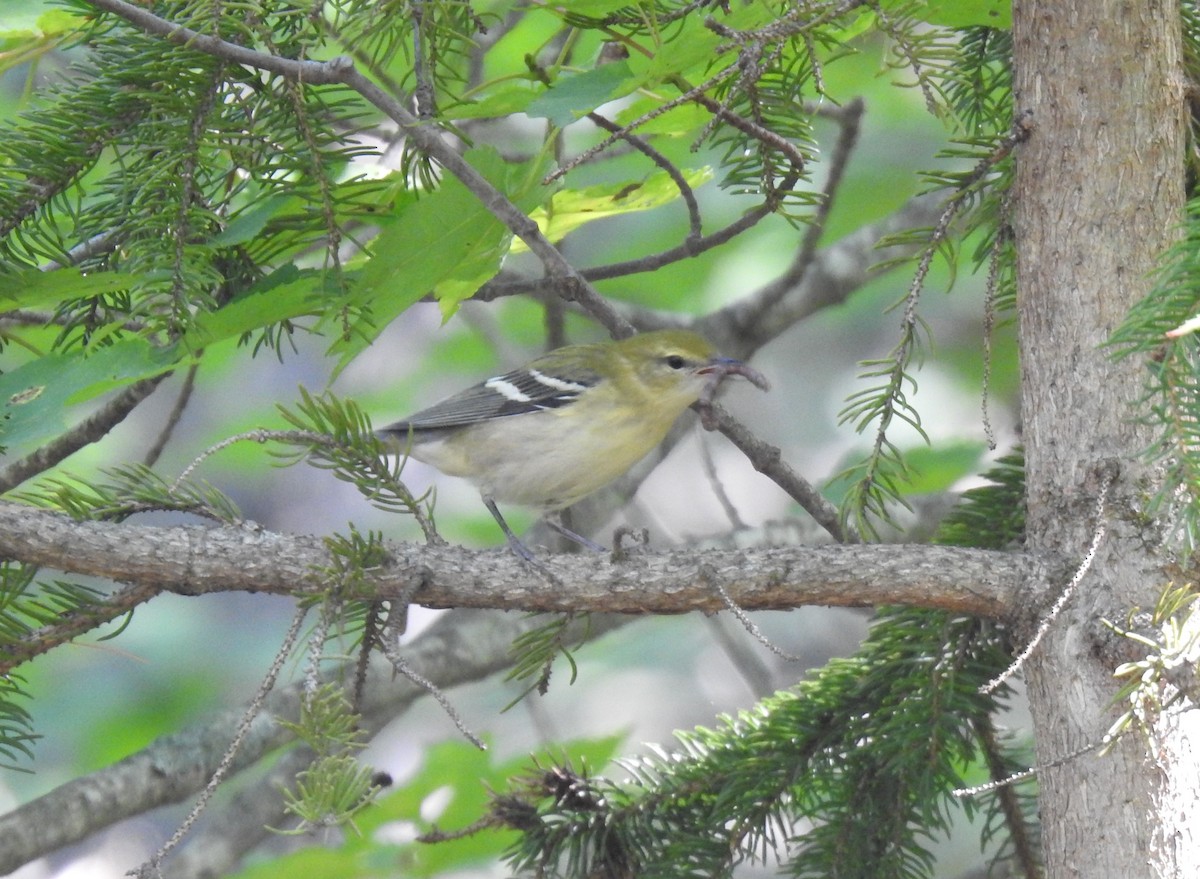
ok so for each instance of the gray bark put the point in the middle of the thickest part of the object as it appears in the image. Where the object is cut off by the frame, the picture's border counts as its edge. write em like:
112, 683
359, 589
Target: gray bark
1099, 195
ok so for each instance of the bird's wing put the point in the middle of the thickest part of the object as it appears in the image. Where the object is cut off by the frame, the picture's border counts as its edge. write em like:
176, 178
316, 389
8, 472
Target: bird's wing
528, 389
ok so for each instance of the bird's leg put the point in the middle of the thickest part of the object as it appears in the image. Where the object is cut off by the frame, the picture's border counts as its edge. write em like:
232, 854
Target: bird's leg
566, 532
514, 542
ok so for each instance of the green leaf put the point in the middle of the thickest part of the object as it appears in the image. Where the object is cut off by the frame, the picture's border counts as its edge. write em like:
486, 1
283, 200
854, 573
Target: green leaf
960, 13
500, 103
34, 397
446, 243
27, 31
595, 8
575, 95
682, 121
572, 208
695, 44
286, 293
248, 223
37, 289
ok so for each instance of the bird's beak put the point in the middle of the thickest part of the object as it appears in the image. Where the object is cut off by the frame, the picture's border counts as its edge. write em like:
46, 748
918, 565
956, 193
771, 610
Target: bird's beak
720, 367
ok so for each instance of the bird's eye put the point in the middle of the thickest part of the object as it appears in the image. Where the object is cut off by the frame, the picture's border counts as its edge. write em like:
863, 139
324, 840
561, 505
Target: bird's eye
675, 361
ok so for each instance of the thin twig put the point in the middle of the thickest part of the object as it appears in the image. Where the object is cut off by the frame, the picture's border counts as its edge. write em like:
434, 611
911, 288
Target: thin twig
748, 662
153, 867
312, 438
362, 660
849, 121
742, 617
768, 460
97, 244
331, 609
168, 428
423, 94
640, 144
718, 487
72, 624
589, 154
1025, 774
427, 137
392, 652
1025, 851
497, 289
893, 402
758, 132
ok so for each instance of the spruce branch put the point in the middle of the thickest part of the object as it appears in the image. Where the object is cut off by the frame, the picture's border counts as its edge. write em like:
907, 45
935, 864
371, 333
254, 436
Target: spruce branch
86, 613
734, 792
427, 138
194, 560
462, 646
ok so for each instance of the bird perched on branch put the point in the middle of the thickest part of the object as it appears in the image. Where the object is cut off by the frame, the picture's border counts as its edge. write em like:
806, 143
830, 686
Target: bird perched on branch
568, 422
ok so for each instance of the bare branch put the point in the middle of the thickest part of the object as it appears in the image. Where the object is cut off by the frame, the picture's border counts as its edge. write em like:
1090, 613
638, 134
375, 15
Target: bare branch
768, 460
153, 867
181, 401
849, 119
837, 271
641, 145
690, 247
197, 561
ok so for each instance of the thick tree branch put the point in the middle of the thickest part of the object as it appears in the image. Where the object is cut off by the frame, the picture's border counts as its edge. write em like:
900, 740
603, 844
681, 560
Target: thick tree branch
197, 560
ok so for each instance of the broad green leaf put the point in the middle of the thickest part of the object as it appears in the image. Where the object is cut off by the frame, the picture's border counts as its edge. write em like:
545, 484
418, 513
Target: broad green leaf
693, 50
27, 33
285, 294
685, 120
248, 223
859, 25
500, 103
353, 199
470, 773
966, 13
34, 398
22, 20
595, 8
37, 289
570, 209
575, 95
960, 13
60, 21
446, 243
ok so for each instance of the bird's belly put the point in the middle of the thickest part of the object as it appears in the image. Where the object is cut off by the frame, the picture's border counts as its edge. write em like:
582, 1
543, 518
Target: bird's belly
567, 471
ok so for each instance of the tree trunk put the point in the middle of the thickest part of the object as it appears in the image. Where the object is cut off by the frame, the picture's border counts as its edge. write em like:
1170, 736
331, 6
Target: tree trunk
1099, 195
